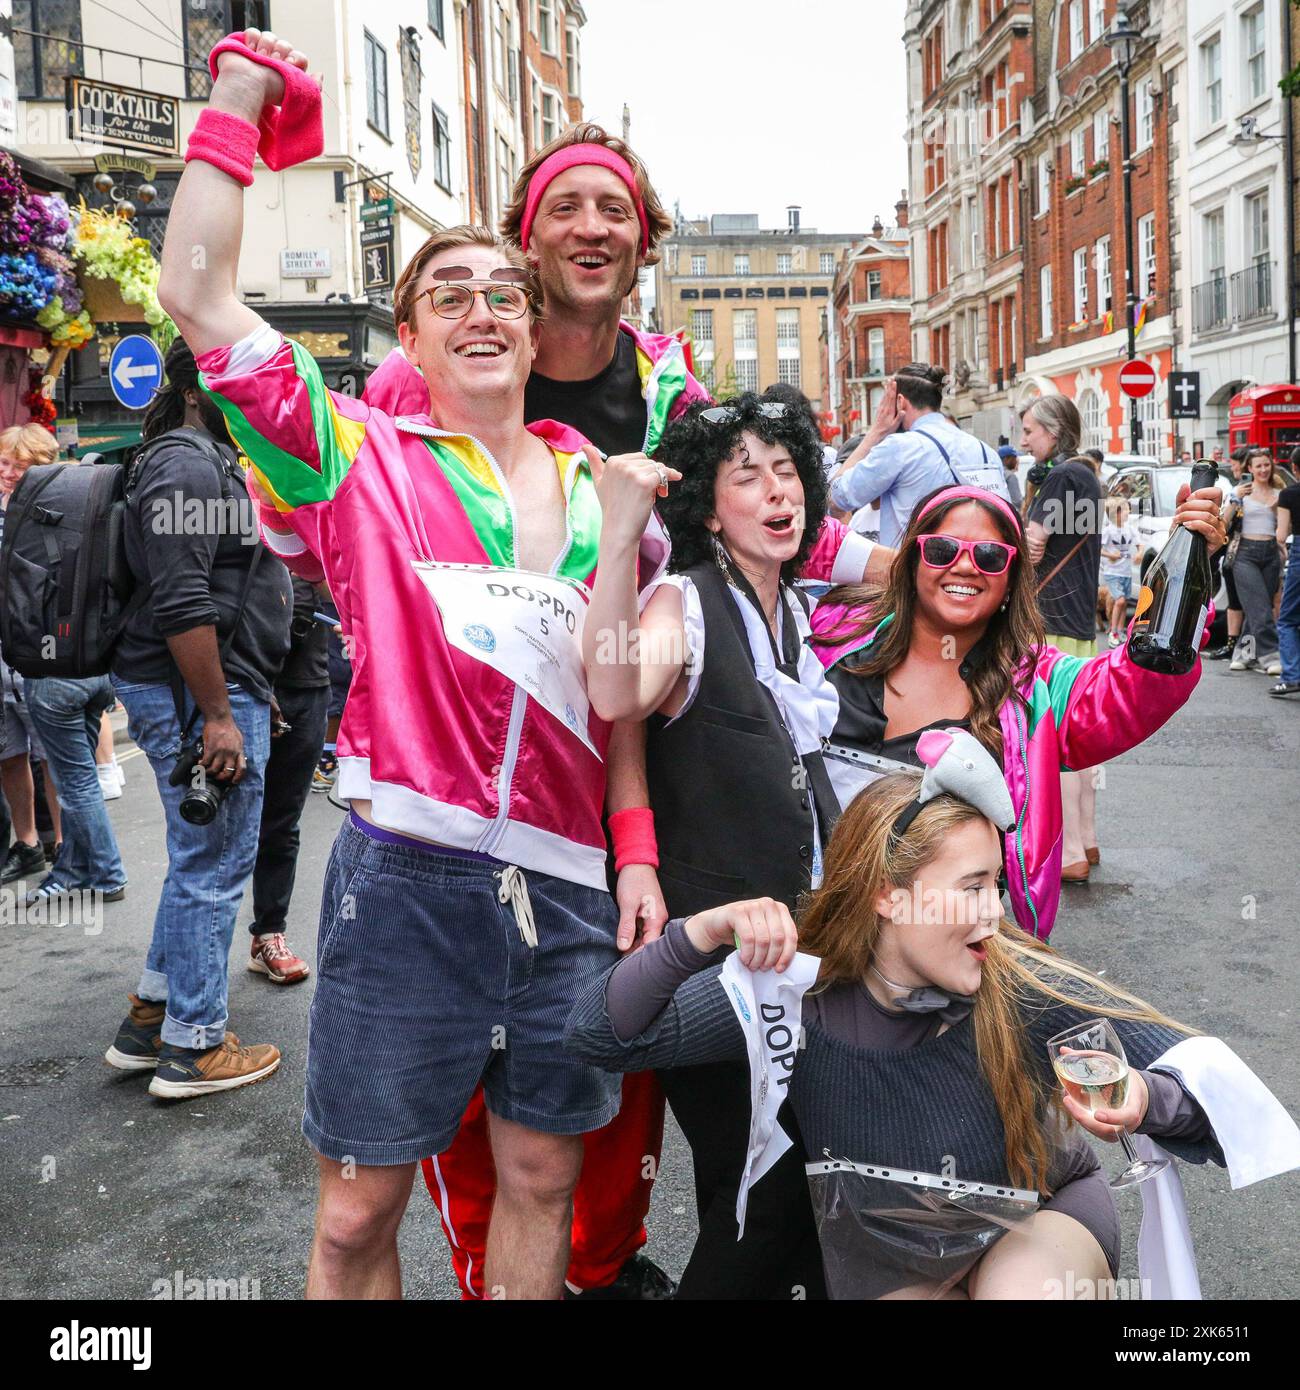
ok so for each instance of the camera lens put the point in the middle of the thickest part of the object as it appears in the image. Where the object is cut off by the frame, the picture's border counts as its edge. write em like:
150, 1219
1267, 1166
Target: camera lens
200, 805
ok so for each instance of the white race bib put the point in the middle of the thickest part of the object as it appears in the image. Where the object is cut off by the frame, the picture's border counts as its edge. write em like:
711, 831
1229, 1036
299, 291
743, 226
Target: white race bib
527, 626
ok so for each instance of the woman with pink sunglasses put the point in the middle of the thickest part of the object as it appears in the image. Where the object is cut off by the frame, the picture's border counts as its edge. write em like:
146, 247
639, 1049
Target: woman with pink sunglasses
956, 637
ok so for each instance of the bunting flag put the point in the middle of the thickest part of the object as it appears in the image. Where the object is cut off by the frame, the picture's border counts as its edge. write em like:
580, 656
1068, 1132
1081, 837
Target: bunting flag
1140, 319
1110, 321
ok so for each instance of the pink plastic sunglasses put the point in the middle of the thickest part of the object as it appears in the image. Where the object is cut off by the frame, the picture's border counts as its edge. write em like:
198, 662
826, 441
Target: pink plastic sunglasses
943, 552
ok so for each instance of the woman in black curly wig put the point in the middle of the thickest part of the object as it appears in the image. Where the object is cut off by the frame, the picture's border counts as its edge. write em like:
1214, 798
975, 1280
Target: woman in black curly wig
737, 708
698, 449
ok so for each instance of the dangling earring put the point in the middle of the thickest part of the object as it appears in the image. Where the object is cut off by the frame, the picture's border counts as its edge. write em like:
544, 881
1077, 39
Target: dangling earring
720, 557
1006, 603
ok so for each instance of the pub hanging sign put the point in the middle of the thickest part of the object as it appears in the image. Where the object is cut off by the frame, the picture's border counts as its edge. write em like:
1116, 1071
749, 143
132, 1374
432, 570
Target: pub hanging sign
102, 113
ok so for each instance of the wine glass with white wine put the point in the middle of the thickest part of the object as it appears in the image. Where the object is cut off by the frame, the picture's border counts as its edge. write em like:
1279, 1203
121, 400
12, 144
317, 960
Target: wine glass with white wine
1091, 1065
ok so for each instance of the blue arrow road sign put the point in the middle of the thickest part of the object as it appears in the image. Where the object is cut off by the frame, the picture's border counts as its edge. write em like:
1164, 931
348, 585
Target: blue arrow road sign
135, 371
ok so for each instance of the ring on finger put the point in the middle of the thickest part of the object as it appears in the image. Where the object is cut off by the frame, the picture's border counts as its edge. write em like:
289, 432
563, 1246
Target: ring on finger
663, 474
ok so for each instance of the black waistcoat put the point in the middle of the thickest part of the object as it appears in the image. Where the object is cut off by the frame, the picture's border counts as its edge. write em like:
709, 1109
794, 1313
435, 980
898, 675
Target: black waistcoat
733, 808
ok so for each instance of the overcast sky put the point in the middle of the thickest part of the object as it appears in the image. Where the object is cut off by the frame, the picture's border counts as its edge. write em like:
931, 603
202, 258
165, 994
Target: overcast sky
748, 105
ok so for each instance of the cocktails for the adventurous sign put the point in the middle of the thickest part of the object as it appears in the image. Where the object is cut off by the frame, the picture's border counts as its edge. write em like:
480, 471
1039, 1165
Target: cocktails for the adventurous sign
102, 113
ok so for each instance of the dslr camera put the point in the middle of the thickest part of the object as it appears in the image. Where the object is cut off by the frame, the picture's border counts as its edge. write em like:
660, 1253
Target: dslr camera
202, 801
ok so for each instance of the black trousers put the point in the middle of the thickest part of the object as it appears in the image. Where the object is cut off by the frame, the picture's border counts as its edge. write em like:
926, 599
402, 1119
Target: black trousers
780, 1256
288, 784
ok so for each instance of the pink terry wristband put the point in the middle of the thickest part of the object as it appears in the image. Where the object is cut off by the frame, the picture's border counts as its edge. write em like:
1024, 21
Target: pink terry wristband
633, 833
294, 131
226, 142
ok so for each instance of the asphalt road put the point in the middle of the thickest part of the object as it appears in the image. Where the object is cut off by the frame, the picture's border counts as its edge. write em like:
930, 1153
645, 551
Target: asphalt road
104, 1191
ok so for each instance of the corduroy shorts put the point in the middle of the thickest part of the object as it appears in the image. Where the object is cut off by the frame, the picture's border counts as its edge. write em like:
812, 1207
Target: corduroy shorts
425, 986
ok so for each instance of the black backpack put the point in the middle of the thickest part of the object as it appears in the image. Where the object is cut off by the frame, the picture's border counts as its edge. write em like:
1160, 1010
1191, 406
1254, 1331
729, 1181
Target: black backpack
66, 590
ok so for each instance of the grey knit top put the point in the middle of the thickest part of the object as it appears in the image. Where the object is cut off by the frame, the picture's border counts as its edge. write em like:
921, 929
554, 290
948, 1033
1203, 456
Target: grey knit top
924, 1105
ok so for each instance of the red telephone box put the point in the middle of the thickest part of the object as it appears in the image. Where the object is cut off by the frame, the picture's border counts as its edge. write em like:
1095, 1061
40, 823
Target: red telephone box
1266, 416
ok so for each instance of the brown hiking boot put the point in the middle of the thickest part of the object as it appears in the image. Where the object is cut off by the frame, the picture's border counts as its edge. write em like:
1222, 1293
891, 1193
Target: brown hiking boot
183, 1072
139, 1039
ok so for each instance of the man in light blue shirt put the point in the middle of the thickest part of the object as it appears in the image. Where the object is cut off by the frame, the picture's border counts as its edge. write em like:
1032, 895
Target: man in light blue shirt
896, 470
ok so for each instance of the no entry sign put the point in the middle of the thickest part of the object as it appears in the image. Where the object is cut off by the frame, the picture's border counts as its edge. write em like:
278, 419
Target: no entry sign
1137, 379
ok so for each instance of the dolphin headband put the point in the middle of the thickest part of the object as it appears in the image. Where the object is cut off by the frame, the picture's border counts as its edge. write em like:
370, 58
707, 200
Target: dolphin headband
976, 494
568, 158
957, 764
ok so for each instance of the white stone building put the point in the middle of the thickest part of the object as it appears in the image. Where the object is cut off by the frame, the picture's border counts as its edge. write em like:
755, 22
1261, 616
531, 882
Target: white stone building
1234, 259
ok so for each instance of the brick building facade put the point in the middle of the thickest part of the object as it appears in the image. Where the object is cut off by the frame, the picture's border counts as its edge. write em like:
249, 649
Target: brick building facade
872, 314
969, 72
1074, 243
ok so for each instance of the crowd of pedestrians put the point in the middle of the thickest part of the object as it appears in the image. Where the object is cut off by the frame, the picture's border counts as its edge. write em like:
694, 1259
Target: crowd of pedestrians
1260, 514
836, 689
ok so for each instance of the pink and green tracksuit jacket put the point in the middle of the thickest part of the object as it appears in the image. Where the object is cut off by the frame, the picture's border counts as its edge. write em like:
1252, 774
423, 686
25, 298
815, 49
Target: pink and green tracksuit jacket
1075, 714
442, 745
666, 383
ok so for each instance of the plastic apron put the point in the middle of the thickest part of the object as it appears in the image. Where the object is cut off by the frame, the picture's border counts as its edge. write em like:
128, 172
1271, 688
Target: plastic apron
885, 1230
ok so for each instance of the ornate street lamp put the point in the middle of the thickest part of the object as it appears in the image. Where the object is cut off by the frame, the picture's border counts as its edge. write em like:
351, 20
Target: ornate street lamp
1123, 38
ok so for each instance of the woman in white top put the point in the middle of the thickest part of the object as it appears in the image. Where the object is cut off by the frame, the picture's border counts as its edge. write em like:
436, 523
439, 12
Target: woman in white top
1257, 565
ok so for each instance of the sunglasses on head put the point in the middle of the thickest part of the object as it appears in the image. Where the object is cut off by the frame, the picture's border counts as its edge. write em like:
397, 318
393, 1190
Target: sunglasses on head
728, 414
943, 552
504, 292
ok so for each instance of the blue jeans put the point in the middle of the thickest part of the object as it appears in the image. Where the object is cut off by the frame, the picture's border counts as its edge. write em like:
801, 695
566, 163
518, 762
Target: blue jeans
207, 865
67, 716
1288, 619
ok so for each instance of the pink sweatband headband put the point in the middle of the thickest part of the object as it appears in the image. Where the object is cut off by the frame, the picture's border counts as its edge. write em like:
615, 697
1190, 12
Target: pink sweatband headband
976, 494
633, 833
568, 158
226, 142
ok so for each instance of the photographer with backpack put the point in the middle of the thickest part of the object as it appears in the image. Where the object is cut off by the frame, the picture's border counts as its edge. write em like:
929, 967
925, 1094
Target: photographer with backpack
194, 668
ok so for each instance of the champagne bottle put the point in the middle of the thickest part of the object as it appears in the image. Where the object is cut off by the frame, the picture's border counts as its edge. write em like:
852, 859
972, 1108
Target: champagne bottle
1174, 601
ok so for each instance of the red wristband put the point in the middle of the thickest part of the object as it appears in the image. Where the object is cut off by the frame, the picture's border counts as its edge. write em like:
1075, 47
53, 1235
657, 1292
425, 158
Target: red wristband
226, 142
633, 833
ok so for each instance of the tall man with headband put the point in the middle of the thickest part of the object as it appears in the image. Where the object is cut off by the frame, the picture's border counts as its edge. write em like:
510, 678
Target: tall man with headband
466, 893
587, 216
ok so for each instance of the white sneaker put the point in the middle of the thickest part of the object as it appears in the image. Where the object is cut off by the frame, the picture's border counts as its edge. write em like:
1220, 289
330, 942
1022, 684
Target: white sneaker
1274, 667
110, 780
1241, 663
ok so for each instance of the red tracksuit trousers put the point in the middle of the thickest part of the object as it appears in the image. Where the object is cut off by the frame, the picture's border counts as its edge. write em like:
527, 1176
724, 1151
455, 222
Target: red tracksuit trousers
609, 1203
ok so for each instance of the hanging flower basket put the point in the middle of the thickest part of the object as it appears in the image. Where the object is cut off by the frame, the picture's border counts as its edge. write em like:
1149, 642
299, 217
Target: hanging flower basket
104, 300
117, 270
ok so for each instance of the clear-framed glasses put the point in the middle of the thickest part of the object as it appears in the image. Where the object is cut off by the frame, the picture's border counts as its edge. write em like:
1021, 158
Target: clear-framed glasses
728, 414
1090, 1063
504, 292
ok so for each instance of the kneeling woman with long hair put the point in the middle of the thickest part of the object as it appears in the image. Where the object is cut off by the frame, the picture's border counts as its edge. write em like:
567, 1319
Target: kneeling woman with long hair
925, 1036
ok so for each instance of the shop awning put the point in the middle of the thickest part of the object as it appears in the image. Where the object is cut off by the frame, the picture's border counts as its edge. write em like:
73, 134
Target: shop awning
106, 439
42, 176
